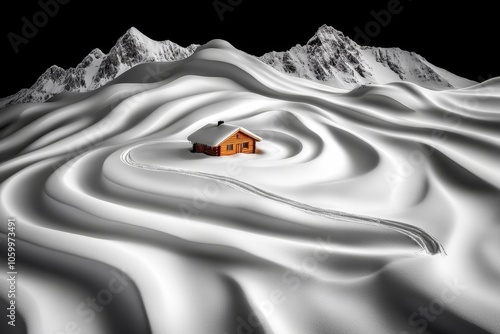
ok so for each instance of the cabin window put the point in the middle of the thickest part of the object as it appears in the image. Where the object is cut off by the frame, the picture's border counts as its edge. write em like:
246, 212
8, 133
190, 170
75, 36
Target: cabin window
245, 145
229, 147
237, 136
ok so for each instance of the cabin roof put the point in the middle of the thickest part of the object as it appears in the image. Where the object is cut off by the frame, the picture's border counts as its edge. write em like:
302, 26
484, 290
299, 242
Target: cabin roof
213, 134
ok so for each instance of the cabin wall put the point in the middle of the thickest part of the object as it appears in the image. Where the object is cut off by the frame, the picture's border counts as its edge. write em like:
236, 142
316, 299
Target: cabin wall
198, 148
237, 139
210, 150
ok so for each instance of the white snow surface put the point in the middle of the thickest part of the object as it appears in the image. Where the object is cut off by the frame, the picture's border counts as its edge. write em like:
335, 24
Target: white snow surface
110, 205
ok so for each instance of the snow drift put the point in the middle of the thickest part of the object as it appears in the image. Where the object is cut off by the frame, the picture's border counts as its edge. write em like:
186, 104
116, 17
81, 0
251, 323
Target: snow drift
123, 230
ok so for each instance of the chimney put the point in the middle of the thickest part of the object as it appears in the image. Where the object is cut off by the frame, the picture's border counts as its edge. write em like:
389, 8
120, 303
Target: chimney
220, 122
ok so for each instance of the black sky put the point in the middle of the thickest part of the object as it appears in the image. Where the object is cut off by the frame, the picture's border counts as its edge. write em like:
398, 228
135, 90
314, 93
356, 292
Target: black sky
460, 37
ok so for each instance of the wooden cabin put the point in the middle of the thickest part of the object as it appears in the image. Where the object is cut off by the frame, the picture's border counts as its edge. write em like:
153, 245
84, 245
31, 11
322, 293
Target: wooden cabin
223, 139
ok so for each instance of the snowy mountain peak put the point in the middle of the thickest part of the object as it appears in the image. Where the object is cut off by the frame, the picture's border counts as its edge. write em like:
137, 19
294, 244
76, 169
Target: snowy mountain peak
325, 34
329, 57
132, 38
135, 48
134, 32
332, 58
98, 68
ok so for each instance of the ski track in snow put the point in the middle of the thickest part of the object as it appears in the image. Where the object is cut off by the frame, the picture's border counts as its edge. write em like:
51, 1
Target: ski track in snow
427, 242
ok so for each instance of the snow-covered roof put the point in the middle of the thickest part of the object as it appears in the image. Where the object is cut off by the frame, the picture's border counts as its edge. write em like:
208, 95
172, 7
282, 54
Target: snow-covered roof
213, 134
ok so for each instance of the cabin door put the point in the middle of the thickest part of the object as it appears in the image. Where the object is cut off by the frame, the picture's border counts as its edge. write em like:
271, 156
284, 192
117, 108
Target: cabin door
238, 148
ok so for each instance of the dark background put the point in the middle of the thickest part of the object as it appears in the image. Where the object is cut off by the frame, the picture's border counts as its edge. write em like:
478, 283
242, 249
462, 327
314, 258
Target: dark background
460, 37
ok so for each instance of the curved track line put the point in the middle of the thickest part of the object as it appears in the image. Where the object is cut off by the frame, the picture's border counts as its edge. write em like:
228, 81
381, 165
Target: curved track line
428, 243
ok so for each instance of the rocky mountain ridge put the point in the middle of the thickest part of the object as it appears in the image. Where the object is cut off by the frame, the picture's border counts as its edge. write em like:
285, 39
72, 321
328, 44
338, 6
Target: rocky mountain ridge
328, 57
